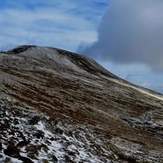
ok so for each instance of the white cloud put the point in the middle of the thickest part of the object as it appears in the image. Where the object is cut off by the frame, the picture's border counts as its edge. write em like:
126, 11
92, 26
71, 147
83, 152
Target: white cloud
63, 24
131, 32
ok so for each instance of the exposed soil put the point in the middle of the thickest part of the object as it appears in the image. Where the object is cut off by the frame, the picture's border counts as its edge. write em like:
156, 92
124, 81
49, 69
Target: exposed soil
57, 106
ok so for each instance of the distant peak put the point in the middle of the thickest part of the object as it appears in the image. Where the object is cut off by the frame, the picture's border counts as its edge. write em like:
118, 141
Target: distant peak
61, 56
20, 49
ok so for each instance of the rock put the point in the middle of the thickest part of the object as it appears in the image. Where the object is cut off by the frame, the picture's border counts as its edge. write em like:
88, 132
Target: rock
68, 159
39, 134
51, 98
23, 143
52, 139
34, 120
55, 159
25, 160
0, 146
12, 150
16, 121
59, 131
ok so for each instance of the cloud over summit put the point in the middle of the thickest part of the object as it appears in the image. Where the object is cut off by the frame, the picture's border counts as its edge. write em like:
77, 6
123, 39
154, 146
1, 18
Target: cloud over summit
61, 23
131, 32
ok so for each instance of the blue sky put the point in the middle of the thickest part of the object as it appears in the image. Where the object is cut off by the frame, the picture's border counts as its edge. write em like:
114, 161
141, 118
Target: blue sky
59, 23
77, 24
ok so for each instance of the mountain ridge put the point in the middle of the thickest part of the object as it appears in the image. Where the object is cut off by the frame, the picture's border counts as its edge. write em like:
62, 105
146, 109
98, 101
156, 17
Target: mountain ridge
74, 101
75, 56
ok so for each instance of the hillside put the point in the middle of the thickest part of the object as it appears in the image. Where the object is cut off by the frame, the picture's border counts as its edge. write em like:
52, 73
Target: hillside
58, 106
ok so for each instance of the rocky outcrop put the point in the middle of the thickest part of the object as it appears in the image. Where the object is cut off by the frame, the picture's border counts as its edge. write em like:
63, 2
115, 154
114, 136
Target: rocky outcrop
57, 106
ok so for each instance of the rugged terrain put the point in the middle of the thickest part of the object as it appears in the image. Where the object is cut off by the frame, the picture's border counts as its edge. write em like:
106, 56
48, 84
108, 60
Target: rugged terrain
57, 106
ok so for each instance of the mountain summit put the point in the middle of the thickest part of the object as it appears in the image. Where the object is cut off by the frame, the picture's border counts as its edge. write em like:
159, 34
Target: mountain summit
58, 106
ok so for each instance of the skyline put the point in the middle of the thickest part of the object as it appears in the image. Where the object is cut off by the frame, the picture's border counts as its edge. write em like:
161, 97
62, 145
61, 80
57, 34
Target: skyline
83, 25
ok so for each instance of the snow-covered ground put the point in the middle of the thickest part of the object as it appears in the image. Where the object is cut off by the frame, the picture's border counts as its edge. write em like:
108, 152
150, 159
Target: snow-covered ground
29, 136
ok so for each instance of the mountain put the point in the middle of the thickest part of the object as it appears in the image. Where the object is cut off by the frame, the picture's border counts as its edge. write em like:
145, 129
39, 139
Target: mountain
58, 106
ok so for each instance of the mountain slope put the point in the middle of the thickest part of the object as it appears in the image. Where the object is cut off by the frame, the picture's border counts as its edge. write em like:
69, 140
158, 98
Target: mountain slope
58, 106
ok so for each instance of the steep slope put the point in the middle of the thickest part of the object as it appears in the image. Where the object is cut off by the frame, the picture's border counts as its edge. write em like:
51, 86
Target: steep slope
57, 106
